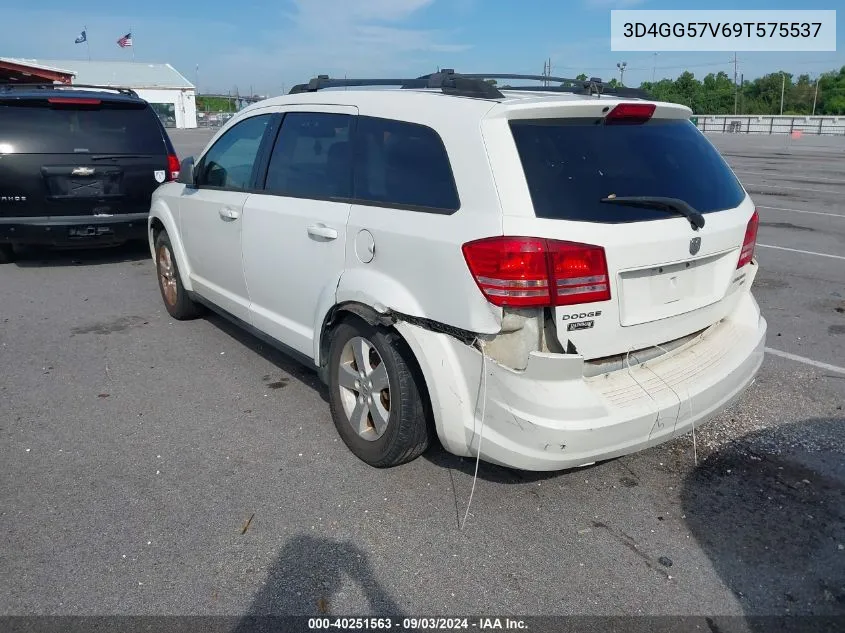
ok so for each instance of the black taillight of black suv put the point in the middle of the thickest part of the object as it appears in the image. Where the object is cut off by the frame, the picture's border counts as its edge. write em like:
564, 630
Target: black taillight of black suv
78, 165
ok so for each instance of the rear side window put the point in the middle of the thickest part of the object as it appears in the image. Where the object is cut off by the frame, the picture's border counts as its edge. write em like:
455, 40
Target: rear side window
401, 164
38, 127
312, 157
571, 164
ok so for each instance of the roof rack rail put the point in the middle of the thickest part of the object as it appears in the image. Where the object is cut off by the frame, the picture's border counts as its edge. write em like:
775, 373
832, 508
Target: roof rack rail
50, 86
447, 80
592, 86
477, 85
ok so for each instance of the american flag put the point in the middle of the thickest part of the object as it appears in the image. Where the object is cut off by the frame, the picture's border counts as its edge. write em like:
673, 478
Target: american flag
125, 41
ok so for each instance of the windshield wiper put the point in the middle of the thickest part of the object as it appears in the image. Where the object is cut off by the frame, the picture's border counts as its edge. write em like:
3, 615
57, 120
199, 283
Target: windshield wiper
675, 205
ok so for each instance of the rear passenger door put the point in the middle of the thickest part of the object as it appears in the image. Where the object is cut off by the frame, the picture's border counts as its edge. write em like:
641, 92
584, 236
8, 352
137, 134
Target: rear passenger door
294, 231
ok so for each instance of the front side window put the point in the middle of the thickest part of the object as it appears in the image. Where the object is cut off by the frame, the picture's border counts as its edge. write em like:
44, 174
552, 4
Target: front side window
230, 161
312, 157
404, 165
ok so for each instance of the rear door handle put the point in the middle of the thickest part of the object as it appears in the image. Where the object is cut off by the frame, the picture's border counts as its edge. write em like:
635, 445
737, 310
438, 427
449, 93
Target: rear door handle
321, 230
229, 213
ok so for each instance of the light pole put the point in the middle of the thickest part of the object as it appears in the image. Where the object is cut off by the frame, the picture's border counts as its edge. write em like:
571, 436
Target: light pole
782, 90
815, 96
654, 68
621, 66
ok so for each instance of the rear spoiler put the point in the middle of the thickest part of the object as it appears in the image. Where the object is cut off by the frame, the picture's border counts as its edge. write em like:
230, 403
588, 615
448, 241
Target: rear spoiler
128, 92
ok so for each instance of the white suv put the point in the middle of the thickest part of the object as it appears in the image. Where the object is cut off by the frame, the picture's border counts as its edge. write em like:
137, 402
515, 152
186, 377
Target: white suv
545, 277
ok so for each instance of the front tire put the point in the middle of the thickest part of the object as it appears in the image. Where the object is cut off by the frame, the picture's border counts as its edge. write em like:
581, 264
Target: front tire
176, 300
376, 395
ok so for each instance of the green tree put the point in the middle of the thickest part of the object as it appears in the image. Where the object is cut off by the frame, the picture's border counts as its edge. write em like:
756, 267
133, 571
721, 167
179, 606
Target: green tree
215, 104
716, 93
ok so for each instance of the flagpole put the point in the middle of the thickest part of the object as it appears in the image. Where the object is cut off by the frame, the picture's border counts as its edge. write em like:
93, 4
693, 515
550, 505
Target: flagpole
87, 44
132, 35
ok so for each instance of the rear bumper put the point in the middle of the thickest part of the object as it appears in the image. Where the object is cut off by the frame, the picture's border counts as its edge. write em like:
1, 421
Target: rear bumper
549, 417
57, 230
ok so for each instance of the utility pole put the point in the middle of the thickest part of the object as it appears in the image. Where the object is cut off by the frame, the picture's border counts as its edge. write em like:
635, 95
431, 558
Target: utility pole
736, 90
815, 96
782, 89
621, 66
197, 78
654, 67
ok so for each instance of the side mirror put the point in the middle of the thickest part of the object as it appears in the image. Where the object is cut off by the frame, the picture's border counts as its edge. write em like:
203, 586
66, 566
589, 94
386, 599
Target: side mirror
186, 171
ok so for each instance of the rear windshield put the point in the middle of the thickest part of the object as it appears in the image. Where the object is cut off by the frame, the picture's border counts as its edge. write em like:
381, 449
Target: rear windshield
571, 164
107, 128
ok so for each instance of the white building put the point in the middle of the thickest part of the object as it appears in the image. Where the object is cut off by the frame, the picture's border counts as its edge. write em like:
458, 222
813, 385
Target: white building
172, 96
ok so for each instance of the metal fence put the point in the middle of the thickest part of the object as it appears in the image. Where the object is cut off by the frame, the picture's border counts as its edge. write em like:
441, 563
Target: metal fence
765, 124
212, 119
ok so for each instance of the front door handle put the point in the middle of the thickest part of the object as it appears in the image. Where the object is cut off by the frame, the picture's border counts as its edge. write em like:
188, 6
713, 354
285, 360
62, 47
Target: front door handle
229, 213
323, 231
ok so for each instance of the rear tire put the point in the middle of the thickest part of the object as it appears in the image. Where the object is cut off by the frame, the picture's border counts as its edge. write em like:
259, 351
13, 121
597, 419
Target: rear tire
376, 395
176, 300
7, 254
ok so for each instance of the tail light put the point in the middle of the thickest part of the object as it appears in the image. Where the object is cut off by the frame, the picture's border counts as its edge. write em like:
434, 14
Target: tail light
750, 241
172, 167
631, 112
536, 272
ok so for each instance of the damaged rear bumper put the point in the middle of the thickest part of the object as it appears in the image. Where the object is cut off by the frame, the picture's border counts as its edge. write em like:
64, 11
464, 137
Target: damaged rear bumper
549, 417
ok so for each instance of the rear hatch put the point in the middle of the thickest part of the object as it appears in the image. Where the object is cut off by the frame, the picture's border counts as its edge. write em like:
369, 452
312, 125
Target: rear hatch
643, 276
73, 155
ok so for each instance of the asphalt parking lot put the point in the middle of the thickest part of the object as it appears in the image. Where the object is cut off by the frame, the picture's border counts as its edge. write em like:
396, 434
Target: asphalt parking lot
159, 467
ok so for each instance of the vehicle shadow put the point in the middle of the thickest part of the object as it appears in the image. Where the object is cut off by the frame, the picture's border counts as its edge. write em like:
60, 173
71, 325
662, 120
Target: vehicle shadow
49, 257
493, 473
769, 512
436, 454
287, 364
307, 578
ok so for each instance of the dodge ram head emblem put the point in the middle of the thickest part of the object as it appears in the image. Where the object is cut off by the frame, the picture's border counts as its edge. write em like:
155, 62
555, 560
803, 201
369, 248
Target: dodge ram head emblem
694, 245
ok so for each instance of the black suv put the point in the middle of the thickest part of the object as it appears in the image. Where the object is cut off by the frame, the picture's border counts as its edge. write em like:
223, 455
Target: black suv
78, 165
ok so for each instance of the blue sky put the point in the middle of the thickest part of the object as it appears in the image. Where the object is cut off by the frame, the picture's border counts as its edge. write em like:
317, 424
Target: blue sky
269, 45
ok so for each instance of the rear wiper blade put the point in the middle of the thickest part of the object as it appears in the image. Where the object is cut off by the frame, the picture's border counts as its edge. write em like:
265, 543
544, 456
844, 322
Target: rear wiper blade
107, 156
666, 204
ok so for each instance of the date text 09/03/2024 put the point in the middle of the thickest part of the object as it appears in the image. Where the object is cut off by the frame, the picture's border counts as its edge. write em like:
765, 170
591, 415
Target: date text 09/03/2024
417, 624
